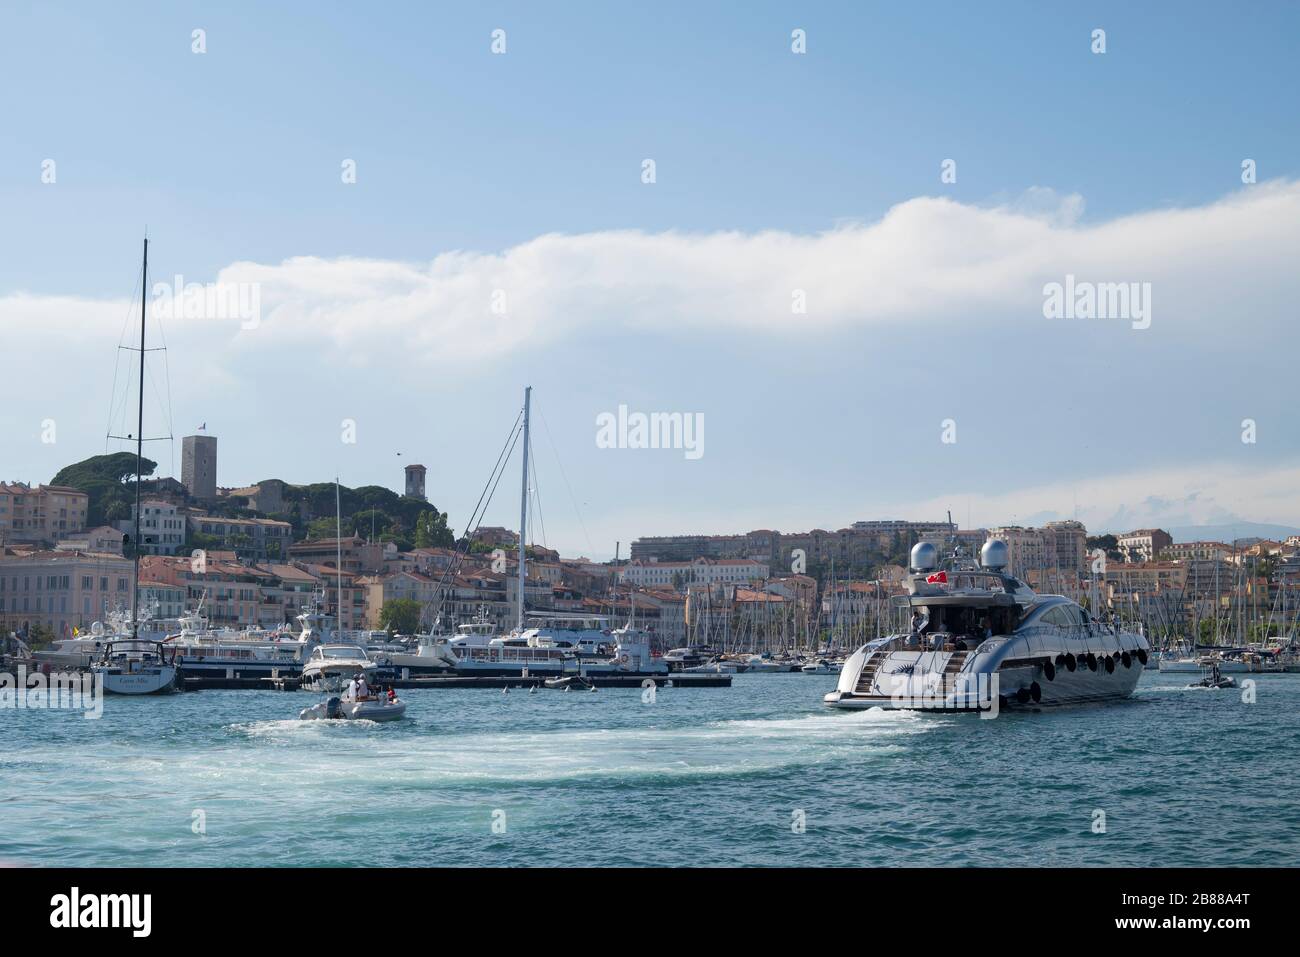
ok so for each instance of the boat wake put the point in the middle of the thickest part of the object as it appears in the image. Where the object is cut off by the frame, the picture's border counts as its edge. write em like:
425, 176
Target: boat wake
325, 749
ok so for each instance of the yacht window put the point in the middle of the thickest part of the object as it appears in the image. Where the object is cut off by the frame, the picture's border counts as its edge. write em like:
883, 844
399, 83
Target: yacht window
1058, 617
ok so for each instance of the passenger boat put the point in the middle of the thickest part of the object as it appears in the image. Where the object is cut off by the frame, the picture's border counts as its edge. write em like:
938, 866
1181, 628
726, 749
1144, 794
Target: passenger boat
982, 640
205, 652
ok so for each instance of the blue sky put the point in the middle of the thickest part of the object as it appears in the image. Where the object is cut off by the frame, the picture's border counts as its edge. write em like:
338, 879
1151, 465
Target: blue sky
234, 156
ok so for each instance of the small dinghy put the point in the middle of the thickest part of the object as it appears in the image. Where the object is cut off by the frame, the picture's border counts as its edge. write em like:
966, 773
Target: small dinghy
571, 683
335, 708
1213, 679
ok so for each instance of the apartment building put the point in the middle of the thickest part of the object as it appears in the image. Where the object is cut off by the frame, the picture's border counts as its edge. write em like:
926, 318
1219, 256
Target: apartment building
701, 571
254, 539
1027, 548
102, 539
1145, 577
162, 527
359, 556
1066, 544
61, 590
42, 515
1144, 544
1198, 551
411, 585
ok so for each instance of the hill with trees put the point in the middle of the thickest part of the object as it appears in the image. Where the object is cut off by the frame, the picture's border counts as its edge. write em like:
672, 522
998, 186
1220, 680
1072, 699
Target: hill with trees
109, 481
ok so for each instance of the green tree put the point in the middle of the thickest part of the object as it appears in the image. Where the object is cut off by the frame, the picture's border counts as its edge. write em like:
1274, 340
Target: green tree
322, 528
108, 481
1107, 543
400, 615
431, 530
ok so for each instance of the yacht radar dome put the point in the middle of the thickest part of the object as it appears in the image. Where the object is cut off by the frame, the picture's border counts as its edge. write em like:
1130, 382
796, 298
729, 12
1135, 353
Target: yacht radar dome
994, 554
925, 557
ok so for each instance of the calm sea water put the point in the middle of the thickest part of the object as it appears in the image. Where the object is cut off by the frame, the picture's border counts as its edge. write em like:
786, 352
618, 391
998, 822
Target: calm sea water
699, 777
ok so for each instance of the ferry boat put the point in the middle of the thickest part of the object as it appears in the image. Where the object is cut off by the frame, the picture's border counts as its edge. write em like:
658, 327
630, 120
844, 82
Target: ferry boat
226, 653
540, 649
982, 640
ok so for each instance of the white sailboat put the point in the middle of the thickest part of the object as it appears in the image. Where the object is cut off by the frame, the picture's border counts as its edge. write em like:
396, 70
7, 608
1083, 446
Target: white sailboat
137, 666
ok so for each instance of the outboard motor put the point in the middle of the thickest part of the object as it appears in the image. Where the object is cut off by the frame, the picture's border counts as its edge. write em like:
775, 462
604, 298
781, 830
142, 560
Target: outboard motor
333, 707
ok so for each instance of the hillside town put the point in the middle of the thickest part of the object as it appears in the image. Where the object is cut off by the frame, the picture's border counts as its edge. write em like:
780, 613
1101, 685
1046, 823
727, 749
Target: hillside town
255, 556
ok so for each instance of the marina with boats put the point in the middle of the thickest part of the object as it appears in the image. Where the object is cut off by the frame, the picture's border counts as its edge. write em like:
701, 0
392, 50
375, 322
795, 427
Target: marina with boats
931, 638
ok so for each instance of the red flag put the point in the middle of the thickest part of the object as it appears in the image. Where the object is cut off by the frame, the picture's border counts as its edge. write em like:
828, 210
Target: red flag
940, 578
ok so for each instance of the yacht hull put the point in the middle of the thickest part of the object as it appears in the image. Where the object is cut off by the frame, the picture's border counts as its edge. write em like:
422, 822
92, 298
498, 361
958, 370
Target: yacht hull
149, 681
1001, 674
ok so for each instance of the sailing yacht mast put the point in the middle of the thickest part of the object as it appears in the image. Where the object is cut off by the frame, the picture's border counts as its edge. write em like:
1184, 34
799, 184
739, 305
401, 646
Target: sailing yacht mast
523, 512
338, 549
139, 449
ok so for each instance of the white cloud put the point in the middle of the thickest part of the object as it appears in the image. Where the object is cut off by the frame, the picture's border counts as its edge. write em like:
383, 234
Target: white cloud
336, 336
927, 258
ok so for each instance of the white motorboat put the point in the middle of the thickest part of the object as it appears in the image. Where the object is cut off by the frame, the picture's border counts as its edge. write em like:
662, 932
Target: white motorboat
133, 666
982, 640
1198, 663
330, 667
714, 666
820, 666
683, 659
378, 708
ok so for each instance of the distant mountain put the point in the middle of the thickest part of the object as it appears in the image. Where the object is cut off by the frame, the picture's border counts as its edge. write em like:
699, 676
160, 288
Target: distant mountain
1227, 533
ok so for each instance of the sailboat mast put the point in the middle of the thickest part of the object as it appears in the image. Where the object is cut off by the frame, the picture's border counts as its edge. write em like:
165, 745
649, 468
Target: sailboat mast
139, 449
523, 511
338, 546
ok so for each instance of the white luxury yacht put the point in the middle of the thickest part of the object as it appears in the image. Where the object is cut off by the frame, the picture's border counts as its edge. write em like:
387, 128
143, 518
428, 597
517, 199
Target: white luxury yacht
982, 640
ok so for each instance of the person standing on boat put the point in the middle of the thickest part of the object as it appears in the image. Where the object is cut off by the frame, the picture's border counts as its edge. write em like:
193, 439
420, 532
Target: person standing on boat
363, 691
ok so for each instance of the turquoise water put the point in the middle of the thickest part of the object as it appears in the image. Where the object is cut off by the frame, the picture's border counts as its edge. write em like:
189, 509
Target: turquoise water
698, 777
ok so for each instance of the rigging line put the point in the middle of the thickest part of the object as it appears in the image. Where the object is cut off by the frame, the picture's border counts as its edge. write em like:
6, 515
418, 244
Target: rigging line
167, 377
475, 516
537, 496
502, 457
126, 325
556, 452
